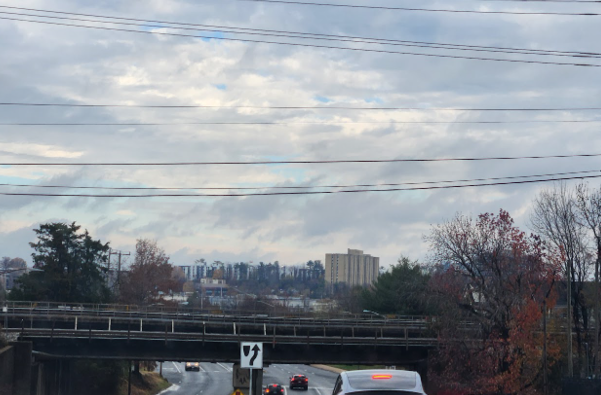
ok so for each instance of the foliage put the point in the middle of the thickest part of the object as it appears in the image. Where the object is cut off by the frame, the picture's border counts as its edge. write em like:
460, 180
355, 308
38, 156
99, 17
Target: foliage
555, 217
493, 275
570, 220
402, 290
98, 377
71, 267
348, 298
149, 277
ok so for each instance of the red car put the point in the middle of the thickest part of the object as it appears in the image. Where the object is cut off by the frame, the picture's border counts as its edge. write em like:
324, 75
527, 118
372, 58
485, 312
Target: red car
299, 381
274, 389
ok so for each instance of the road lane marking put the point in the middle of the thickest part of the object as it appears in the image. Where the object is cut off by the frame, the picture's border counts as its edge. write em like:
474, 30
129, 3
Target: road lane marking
228, 369
176, 368
173, 387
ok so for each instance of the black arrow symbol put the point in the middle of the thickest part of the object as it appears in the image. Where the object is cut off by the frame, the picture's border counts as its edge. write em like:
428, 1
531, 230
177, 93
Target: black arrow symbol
256, 349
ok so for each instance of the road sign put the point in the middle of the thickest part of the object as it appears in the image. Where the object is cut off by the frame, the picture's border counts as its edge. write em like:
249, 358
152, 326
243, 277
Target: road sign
237, 392
241, 377
251, 355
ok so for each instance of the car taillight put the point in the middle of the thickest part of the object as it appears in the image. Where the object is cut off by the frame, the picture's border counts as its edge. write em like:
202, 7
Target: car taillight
306, 380
381, 376
267, 391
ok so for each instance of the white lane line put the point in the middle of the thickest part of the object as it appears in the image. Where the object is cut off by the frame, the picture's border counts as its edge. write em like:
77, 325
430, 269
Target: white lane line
176, 368
227, 368
172, 387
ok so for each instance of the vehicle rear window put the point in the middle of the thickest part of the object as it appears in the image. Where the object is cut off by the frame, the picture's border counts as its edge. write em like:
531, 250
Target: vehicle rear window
365, 381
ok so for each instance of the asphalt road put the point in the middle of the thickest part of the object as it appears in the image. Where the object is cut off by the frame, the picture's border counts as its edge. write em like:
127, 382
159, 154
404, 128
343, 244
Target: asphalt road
216, 379
321, 382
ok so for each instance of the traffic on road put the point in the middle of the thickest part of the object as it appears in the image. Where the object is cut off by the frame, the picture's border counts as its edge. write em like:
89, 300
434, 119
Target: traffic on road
216, 379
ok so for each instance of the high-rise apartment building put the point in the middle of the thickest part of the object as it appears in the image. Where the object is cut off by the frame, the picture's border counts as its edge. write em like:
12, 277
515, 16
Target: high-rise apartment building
352, 268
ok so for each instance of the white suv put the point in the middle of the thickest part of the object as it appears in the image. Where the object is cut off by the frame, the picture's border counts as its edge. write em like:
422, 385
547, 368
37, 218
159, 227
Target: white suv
379, 382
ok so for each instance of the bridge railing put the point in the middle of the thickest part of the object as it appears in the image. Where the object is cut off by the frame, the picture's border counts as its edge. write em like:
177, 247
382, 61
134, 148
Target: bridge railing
184, 312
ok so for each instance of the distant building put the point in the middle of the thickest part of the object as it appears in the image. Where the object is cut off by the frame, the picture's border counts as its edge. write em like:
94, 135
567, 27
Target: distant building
213, 287
10, 271
352, 268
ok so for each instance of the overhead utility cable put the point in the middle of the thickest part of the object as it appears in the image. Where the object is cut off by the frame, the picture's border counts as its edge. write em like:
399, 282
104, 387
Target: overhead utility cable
294, 162
301, 35
303, 3
309, 45
541, 1
292, 187
302, 123
298, 193
177, 106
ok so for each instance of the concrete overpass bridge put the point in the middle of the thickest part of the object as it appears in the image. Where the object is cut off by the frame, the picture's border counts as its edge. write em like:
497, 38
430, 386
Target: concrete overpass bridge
56, 334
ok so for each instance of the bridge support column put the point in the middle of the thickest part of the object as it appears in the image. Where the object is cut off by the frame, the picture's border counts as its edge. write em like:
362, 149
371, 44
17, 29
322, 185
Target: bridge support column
422, 369
22, 368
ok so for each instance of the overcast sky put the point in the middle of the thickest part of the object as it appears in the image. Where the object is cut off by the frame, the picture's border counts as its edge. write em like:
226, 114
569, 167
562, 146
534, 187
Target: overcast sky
41, 63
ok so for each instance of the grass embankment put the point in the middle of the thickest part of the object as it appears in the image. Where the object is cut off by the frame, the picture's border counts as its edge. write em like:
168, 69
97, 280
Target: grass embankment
144, 383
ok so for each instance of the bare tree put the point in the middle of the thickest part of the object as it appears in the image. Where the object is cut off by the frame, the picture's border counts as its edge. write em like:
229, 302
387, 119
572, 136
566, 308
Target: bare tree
589, 215
555, 217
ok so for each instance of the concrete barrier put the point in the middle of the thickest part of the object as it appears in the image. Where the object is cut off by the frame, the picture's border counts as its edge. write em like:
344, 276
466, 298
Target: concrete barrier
328, 368
6, 370
15, 369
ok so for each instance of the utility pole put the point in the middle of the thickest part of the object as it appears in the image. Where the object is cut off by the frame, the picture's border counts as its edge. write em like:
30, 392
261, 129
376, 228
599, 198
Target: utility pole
545, 391
119, 267
569, 326
119, 255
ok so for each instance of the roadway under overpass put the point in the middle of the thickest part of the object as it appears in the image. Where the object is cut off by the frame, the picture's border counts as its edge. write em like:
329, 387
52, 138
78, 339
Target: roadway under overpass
60, 335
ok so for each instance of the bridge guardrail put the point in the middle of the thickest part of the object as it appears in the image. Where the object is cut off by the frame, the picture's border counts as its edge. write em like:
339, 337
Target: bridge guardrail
103, 309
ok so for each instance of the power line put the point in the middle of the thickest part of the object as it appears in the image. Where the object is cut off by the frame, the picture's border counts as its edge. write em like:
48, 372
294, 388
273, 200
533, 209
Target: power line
295, 162
290, 2
301, 35
294, 187
307, 34
542, 1
166, 106
303, 123
309, 45
298, 193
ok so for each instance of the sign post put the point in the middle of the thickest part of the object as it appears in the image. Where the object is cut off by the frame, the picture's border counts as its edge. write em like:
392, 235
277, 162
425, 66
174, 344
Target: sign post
251, 357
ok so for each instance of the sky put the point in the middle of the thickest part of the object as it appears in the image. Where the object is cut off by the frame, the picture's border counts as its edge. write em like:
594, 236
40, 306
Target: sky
46, 63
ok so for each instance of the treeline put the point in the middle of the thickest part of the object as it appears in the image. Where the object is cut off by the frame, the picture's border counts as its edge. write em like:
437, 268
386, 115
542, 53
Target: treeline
489, 285
72, 267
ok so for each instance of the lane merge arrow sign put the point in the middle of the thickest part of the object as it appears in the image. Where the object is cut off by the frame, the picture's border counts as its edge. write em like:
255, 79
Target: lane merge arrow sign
251, 355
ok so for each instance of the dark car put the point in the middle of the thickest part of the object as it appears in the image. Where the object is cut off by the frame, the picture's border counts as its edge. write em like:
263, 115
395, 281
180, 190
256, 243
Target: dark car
193, 366
274, 389
379, 382
299, 381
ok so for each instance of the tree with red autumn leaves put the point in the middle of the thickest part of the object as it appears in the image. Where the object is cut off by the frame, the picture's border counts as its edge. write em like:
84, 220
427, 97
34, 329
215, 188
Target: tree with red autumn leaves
493, 281
150, 276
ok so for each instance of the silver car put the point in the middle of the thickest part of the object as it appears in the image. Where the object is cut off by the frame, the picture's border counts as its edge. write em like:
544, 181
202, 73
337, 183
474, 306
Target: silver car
379, 382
